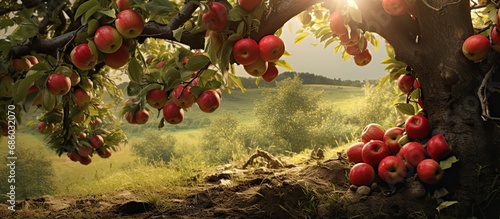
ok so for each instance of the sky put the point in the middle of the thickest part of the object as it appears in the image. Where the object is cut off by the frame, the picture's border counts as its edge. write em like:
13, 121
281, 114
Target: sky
317, 60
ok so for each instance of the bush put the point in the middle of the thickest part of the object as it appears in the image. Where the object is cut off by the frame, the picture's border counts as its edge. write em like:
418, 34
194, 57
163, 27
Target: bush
218, 141
155, 146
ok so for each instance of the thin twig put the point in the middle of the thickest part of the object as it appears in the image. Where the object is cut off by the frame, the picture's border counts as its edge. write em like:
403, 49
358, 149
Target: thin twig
442, 7
482, 94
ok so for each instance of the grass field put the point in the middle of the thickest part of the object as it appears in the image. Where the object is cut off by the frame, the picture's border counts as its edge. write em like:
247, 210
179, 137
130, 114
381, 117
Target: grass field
123, 170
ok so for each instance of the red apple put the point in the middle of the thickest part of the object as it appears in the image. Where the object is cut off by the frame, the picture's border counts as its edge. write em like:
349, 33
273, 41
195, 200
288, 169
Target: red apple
417, 127
354, 152
104, 153
74, 156
157, 98
363, 58
249, 5
391, 138
182, 96
122, 5
215, 19
82, 135
208, 101
429, 171
128, 117
86, 84
74, 78
96, 122
141, 116
438, 148
271, 72
82, 57
96, 141
42, 126
350, 39
271, 48
85, 151
219, 92
81, 97
246, 51
372, 131
32, 59
256, 69
117, 59
337, 23
129, 23
85, 160
405, 83
58, 84
172, 113
374, 151
362, 174
395, 7
392, 170
413, 153
476, 47
416, 84
495, 39
20, 65
107, 39
78, 117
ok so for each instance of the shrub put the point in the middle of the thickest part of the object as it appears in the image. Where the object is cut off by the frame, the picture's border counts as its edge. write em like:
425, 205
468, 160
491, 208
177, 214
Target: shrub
155, 145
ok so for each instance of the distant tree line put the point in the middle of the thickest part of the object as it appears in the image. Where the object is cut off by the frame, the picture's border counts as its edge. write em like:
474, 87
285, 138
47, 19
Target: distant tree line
306, 77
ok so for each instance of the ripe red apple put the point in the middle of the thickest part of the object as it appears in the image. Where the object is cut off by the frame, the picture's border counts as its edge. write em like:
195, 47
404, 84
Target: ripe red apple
350, 39
417, 127
157, 98
416, 84
362, 174
271, 48
82, 135
107, 39
141, 116
117, 59
476, 47
58, 84
374, 151
420, 102
337, 23
160, 64
74, 78
372, 131
182, 96
86, 160
82, 57
129, 23
246, 51
354, 152
74, 156
249, 5
413, 153
392, 170
128, 117
395, 7
42, 126
391, 138
208, 101
122, 5
96, 141
32, 59
363, 58
495, 39
78, 117
271, 72
355, 50
256, 69
429, 171
20, 65
85, 151
405, 83
86, 84
172, 113
438, 148
215, 19
81, 97
104, 153
96, 122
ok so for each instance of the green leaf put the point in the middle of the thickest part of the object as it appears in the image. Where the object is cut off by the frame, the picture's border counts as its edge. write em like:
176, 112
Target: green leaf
445, 204
301, 37
492, 12
5, 48
383, 80
345, 55
109, 13
328, 42
25, 30
6, 23
390, 51
284, 64
415, 94
197, 62
135, 71
186, 75
159, 7
278, 32
236, 80
178, 33
92, 47
148, 88
445, 164
241, 28
337, 48
196, 90
405, 108
234, 37
208, 74
133, 89
227, 48
48, 101
22, 86
235, 14
86, 6
213, 84
91, 12
355, 13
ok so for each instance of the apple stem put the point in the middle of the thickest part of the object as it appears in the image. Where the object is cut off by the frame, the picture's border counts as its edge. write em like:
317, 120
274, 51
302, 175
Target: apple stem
192, 79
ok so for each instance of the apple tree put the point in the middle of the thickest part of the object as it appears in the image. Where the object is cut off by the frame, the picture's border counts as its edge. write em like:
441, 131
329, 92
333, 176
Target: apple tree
58, 56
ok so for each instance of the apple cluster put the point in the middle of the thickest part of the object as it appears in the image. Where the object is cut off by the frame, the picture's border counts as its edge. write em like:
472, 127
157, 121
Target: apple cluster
112, 41
258, 59
477, 46
351, 38
397, 153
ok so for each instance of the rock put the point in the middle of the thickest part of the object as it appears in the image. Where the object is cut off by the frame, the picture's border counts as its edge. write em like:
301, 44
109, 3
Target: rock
363, 191
134, 207
416, 189
353, 188
374, 186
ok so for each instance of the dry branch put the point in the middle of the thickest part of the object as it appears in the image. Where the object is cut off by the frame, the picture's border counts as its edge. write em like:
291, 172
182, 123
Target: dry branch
273, 162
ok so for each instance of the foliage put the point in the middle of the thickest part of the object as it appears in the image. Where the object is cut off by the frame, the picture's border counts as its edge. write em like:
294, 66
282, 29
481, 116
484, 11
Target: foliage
217, 140
155, 145
306, 77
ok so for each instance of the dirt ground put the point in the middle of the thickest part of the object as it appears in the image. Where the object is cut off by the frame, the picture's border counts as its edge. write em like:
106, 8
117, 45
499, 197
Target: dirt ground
317, 189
